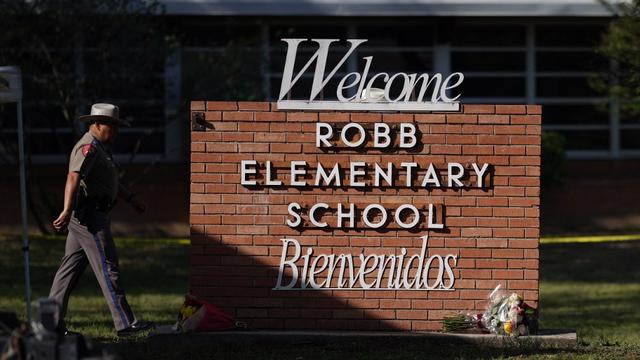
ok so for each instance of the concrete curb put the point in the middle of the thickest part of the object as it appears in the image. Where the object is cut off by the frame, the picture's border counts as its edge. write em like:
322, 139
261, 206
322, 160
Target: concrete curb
548, 338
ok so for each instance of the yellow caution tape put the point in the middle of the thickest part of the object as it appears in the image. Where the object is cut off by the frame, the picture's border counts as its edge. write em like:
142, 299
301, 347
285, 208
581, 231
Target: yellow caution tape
543, 240
588, 239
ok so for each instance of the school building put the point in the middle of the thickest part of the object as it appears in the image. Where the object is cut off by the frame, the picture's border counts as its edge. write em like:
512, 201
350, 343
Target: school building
511, 52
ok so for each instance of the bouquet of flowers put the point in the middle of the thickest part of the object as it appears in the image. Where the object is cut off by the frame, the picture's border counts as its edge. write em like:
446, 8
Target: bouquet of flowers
459, 323
506, 314
197, 315
509, 315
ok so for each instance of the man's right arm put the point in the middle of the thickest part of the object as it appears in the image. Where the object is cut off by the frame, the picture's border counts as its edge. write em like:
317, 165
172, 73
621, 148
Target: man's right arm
70, 189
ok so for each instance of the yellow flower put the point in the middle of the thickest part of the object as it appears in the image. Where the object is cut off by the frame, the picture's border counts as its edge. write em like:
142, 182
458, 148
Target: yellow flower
507, 327
187, 311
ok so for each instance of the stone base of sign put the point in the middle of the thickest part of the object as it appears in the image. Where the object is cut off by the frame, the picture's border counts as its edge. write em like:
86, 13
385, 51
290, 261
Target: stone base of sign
548, 338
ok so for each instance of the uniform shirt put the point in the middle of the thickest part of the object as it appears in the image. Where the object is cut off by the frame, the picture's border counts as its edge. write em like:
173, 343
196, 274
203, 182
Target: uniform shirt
98, 172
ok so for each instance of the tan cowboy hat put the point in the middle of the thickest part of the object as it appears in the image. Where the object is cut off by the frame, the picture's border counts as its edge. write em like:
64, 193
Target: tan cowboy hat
105, 113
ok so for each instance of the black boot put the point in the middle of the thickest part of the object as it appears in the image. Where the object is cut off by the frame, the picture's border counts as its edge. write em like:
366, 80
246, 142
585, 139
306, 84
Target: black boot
136, 328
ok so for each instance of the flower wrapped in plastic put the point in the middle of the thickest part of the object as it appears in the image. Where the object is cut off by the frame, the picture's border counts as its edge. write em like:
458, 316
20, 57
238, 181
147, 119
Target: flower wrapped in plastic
506, 314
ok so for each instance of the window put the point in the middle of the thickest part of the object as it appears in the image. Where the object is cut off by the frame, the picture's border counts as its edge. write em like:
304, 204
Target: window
565, 61
63, 77
221, 61
549, 63
545, 62
394, 47
490, 53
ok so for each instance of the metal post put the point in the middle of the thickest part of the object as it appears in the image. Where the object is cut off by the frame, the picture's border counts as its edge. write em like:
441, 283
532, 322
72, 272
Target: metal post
23, 209
614, 115
14, 94
265, 62
352, 61
531, 64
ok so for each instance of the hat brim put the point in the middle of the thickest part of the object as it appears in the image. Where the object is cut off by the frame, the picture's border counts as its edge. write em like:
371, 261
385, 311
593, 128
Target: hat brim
104, 118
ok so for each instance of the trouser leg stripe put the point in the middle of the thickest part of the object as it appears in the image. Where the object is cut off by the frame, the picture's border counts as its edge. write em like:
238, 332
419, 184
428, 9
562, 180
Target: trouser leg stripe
112, 292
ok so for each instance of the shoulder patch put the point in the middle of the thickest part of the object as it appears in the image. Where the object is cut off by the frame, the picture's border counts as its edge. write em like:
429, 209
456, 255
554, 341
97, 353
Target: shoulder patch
88, 150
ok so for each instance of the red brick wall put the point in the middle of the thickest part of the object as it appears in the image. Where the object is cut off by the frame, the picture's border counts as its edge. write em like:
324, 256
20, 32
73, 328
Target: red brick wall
236, 229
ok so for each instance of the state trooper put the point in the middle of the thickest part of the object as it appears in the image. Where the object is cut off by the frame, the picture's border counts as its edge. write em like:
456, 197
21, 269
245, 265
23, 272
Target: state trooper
90, 193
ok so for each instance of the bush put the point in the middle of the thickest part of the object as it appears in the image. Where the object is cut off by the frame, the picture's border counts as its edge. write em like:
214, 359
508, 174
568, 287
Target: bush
553, 158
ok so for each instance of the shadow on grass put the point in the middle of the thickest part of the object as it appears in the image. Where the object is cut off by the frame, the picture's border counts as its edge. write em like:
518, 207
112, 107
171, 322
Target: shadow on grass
609, 262
154, 276
595, 288
592, 287
603, 314
153, 267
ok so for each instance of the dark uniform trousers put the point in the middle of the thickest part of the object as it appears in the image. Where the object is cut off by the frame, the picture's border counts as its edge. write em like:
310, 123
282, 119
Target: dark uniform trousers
92, 244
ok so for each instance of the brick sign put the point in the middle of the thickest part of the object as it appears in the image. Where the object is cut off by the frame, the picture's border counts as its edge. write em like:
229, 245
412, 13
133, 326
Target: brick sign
362, 220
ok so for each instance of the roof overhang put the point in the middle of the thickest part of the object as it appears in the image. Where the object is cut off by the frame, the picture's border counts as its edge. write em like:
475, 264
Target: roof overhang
473, 8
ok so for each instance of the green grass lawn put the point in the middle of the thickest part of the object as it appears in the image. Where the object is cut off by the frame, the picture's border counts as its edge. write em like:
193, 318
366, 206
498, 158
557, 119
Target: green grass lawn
593, 287
154, 273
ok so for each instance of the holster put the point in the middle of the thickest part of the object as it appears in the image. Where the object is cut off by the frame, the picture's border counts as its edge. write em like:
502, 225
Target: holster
86, 206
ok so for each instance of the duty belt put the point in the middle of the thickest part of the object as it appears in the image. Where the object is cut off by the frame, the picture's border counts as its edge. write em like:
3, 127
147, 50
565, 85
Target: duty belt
104, 204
